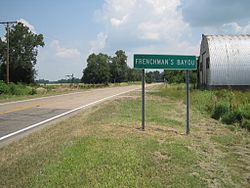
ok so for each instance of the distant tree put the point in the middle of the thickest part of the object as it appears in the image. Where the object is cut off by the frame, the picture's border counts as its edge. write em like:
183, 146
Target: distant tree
23, 52
149, 77
154, 76
97, 70
42, 81
134, 75
179, 76
157, 76
102, 68
119, 68
193, 77
69, 80
174, 76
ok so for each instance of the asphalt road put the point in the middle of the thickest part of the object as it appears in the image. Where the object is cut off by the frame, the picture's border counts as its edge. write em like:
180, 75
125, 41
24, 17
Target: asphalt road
21, 116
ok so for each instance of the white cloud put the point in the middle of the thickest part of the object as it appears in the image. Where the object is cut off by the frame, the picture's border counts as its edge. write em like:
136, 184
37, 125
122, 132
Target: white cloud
117, 22
235, 28
212, 13
27, 24
154, 26
145, 26
55, 61
231, 28
99, 43
247, 28
62, 52
161, 6
148, 20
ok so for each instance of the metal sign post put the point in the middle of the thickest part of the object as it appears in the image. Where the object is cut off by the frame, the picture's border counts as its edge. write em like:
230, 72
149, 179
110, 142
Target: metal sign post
143, 98
187, 102
167, 62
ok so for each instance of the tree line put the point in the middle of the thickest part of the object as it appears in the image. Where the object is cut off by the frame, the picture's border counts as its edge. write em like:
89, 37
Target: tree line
101, 68
104, 69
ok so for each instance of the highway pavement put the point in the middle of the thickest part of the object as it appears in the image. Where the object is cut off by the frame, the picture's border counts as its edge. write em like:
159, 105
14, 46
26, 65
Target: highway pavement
21, 116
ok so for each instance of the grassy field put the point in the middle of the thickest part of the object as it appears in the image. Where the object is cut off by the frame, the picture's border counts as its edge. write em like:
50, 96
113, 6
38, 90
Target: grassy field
232, 107
104, 147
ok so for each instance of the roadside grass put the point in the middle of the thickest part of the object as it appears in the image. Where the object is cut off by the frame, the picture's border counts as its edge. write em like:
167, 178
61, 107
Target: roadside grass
10, 92
9, 98
21, 91
104, 146
232, 107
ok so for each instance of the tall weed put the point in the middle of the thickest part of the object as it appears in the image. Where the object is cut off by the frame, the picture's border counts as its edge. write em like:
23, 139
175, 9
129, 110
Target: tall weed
16, 89
219, 110
229, 106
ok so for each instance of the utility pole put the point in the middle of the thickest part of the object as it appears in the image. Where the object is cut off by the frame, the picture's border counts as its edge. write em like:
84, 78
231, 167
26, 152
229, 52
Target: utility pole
8, 49
72, 78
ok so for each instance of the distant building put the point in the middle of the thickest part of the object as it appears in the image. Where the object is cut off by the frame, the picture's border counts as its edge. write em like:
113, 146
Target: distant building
224, 61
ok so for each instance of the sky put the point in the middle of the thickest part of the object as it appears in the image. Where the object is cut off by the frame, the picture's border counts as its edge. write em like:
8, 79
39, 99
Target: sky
74, 29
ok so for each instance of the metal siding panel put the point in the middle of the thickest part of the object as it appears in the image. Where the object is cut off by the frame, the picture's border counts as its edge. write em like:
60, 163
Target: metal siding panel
229, 60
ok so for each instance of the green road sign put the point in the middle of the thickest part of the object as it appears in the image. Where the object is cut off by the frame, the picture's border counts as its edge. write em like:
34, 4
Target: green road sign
171, 62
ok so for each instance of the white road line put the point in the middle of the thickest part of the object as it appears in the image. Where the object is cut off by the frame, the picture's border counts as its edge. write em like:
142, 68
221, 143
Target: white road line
27, 100
63, 114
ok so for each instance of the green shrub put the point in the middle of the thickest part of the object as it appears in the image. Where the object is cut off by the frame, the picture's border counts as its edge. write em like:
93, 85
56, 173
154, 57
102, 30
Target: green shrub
13, 90
204, 101
32, 91
228, 118
219, 110
246, 124
232, 117
224, 93
16, 89
4, 89
229, 106
245, 110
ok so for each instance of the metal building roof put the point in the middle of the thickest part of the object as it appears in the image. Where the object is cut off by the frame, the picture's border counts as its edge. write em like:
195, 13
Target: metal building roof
229, 59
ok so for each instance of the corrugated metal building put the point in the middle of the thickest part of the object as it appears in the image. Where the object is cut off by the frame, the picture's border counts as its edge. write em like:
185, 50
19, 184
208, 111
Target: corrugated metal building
224, 61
